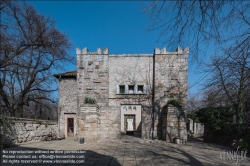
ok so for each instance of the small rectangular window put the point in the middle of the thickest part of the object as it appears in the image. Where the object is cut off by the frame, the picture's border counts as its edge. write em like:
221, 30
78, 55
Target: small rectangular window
140, 89
131, 89
122, 89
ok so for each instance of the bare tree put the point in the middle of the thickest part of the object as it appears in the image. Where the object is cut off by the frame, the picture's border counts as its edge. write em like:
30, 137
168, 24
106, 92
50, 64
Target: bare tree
194, 103
30, 49
209, 28
204, 26
231, 79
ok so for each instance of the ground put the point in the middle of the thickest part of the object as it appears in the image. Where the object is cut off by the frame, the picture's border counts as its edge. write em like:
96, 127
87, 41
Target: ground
129, 151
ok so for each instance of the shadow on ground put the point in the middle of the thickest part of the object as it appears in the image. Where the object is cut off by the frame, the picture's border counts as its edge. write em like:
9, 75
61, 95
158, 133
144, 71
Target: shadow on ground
195, 139
127, 151
22, 156
173, 156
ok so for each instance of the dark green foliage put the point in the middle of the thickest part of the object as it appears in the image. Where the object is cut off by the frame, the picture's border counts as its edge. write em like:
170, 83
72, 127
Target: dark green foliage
215, 117
175, 102
220, 129
240, 144
89, 100
4, 123
193, 116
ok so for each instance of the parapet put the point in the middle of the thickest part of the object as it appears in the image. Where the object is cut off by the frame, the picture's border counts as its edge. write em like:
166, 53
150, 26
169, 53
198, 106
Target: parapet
158, 51
179, 50
85, 51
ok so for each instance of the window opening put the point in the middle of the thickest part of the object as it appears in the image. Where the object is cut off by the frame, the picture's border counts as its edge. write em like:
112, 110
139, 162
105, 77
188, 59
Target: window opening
130, 89
140, 89
122, 89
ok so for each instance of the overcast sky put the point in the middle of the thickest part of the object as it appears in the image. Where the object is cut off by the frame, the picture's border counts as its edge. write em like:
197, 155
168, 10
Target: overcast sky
120, 26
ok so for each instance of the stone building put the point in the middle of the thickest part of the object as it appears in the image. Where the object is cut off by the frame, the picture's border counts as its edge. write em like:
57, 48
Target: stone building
113, 94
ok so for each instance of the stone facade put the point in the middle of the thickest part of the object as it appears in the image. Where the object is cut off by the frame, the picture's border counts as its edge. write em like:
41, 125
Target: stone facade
67, 103
130, 90
173, 123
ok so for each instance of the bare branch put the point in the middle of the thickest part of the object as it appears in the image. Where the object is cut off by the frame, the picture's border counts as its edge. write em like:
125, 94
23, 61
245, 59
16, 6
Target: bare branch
32, 48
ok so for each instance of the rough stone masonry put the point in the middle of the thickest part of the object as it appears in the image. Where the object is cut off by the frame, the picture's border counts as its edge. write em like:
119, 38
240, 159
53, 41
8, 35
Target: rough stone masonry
28, 130
131, 94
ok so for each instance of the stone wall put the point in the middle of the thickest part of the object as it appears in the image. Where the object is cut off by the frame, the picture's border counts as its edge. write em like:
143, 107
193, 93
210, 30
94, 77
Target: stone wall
23, 131
198, 129
170, 80
93, 80
195, 129
67, 102
173, 124
131, 69
88, 121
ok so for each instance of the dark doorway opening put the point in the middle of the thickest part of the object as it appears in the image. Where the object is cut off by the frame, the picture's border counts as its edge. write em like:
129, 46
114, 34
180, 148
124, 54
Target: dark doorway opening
70, 127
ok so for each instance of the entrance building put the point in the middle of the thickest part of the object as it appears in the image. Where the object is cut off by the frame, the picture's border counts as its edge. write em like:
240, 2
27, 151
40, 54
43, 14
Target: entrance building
113, 94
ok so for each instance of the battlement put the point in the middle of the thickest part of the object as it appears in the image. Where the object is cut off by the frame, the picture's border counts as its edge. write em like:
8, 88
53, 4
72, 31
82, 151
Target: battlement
85, 51
157, 51
179, 50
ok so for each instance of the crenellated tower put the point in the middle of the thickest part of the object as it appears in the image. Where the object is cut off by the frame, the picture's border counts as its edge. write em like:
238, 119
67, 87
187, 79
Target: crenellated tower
93, 80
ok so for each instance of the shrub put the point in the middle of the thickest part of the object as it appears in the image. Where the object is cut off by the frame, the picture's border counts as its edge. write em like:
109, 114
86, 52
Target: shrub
89, 100
241, 144
175, 102
4, 123
216, 118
